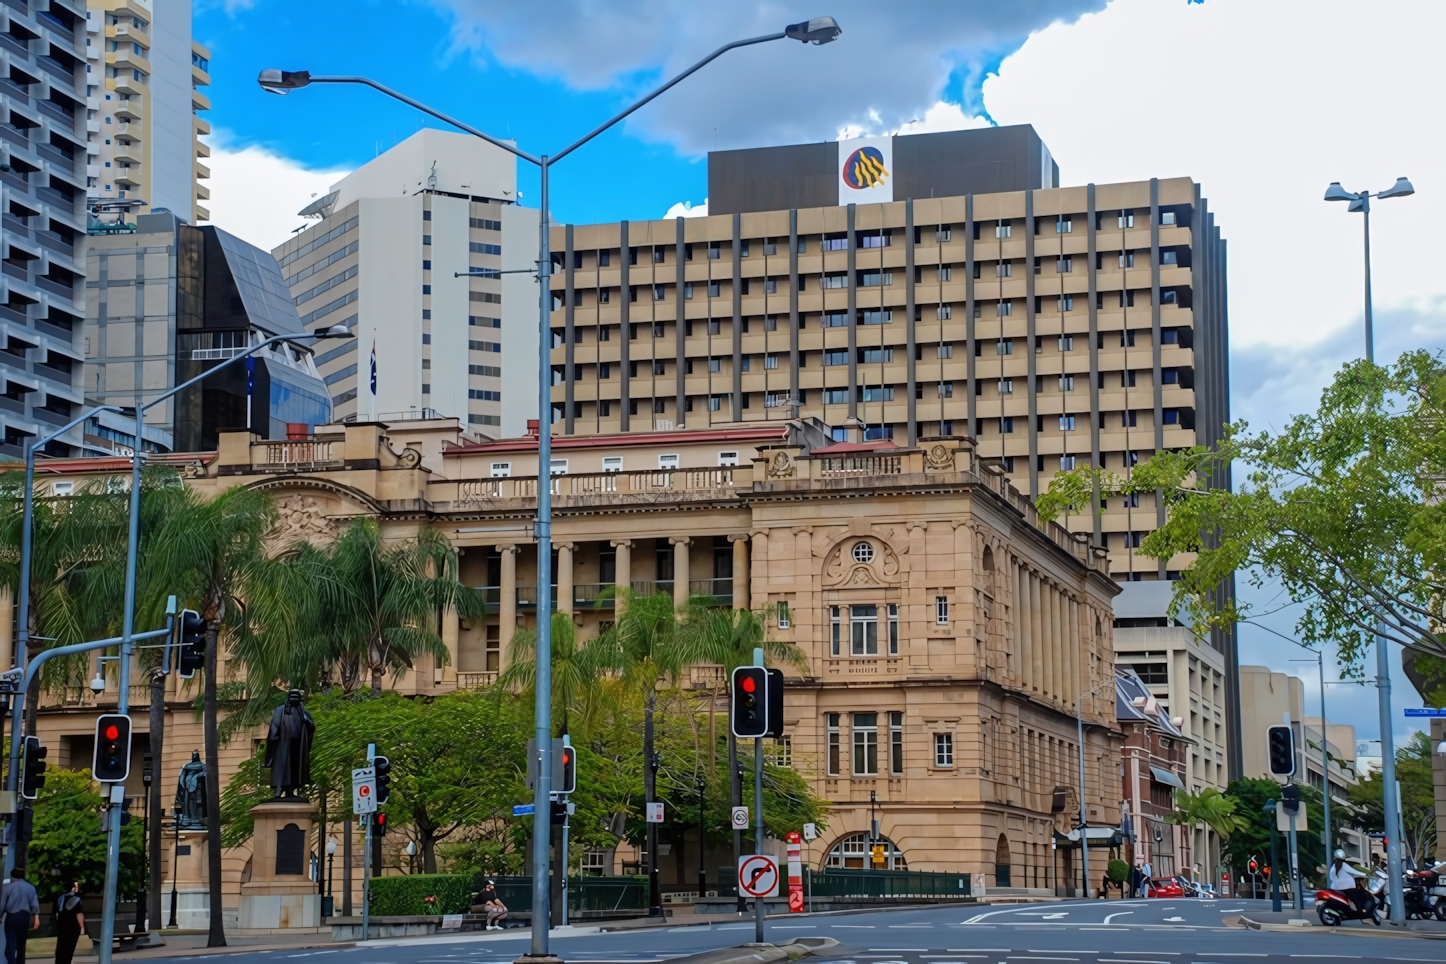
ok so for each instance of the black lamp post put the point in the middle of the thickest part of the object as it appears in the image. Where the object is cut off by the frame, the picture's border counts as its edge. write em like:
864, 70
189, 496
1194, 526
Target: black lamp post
143, 900
702, 837
175, 866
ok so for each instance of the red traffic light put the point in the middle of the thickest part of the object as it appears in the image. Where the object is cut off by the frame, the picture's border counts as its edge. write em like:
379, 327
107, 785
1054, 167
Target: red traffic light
748, 685
112, 732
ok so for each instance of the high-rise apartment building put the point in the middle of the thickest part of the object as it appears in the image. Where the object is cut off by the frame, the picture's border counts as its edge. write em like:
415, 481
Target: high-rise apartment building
144, 79
425, 254
42, 196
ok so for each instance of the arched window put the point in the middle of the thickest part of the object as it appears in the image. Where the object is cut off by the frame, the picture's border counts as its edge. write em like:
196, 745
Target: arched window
857, 852
987, 562
1001, 862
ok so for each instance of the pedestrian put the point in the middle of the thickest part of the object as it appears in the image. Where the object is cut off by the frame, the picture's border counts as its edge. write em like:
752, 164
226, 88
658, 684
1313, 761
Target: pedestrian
1136, 877
69, 923
20, 909
1146, 881
496, 910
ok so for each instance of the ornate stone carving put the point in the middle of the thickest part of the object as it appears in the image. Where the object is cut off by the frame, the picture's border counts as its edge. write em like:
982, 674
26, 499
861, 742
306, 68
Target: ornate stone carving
192, 470
939, 458
410, 458
781, 466
861, 561
301, 518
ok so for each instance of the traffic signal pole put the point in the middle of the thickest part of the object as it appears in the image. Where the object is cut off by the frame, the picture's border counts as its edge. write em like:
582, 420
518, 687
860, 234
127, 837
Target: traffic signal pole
759, 908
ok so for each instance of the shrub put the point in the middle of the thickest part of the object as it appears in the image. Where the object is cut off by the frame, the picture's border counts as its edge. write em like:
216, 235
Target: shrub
407, 895
1118, 871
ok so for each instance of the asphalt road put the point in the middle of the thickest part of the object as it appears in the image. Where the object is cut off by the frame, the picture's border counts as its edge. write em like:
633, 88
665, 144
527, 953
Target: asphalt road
1152, 931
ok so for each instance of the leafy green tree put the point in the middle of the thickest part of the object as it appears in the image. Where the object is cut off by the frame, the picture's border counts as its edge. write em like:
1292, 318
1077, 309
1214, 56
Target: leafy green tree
373, 604
1253, 839
584, 687
1418, 800
67, 843
1342, 508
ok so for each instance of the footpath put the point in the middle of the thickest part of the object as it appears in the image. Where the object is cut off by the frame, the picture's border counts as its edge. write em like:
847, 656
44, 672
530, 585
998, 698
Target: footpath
1296, 921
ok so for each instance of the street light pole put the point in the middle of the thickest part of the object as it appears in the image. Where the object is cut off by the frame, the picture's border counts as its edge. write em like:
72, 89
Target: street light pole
818, 31
1361, 201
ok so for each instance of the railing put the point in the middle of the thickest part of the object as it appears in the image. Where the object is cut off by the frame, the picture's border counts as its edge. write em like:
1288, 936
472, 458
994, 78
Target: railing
721, 590
651, 587
860, 465
472, 681
14, 134
707, 676
15, 271
310, 452
590, 596
863, 665
644, 483
586, 896
835, 882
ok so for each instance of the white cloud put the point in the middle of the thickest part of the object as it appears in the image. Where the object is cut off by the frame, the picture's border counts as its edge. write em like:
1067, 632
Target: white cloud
892, 62
256, 192
687, 209
943, 116
1264, 107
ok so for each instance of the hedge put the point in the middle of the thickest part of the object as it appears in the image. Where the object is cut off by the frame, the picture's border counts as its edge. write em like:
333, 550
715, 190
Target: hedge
407, 895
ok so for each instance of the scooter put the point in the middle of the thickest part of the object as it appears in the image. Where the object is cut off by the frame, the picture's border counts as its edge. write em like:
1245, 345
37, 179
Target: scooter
1432, 891
1334, 908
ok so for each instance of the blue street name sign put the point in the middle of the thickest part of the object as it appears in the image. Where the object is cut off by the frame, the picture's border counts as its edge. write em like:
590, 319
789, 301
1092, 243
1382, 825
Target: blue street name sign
524, 809
1424, 711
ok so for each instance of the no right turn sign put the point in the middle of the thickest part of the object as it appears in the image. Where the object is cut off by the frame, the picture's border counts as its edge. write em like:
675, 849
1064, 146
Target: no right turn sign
758, 876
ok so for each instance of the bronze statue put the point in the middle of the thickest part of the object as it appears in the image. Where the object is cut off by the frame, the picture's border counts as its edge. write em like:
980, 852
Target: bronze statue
288, 746
190, 808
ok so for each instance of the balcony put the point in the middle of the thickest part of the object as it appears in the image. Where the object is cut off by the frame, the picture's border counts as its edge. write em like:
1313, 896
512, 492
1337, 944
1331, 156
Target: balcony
592, 596
472, 681
720, 590
285, 456
646, 485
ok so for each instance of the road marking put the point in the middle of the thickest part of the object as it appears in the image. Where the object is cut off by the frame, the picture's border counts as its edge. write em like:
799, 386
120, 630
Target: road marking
777, 927
1123, 913
911, 925
1174, 919
1132, 960
863, 927
1020, 957
991, 950
993, 913
900, 950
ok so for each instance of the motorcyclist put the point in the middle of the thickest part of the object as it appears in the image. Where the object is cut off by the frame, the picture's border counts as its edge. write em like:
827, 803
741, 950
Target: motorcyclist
1341, 877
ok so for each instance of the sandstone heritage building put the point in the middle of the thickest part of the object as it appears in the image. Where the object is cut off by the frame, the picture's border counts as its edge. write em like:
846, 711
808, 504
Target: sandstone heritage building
952, 636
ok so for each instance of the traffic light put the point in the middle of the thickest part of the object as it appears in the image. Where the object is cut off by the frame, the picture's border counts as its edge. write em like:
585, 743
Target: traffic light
775, 703
567, 770
112, 762
1266, 871
1290, 798
191, 654
1254, 866
24, 823
380, 821
32, 768
749, 716
383, 768
1281, 743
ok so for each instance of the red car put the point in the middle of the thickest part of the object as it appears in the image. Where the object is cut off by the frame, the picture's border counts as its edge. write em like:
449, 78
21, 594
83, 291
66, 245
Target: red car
1169, 887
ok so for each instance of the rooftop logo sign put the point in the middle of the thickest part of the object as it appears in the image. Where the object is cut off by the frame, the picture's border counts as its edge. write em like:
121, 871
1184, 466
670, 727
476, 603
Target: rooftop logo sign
865, 170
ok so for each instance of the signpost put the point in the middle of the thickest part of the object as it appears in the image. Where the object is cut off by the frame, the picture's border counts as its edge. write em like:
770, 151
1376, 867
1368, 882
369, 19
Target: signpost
758, 876
524, 809
655, 811
363, 791
1426, 711
740, 818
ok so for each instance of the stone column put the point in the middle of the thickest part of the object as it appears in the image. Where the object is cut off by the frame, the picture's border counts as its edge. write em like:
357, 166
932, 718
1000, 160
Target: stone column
1021, 622
623, 566
1071, 653
1036, 635
680, 570
506, 602
451, 632
564, 601
1051, 639
740, 571
7, 627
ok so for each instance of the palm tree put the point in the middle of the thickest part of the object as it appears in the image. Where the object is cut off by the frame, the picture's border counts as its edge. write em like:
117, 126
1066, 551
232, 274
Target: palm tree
373, 605
1210, 807
581, 673
214, 556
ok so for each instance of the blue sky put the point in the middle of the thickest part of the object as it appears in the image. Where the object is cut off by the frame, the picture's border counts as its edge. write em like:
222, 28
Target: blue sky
1262, 106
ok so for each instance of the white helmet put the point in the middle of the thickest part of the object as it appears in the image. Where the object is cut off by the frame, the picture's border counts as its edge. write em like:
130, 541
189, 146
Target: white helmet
1340, 855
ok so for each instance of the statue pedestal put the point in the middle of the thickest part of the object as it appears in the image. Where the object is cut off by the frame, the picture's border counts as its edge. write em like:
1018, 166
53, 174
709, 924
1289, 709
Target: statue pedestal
280, 895
193, 899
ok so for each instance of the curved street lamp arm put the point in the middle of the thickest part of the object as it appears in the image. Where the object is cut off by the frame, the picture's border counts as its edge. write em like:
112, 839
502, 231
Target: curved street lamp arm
680, 77
368, 82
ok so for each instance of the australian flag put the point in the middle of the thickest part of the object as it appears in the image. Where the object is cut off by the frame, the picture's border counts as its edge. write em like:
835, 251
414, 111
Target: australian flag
374, 369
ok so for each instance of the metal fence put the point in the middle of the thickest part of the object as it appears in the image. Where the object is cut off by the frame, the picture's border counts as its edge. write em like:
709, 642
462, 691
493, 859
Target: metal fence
884, 883
585, 895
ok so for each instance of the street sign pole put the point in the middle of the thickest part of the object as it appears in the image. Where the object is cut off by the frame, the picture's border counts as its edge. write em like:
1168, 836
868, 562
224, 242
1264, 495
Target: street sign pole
367, 852
759, 908
1294, 868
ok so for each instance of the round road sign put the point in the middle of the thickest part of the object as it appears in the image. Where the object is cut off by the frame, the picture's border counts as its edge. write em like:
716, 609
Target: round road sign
364, 791
758, 876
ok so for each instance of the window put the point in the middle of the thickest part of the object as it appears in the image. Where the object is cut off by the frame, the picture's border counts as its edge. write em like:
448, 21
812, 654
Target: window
604, 370
1004, 269
875, 279
688, 289
893, 629
770, 286
837, 279
770, 247
863, 630
1171, 416
835, 396
1066, 383
1066, 463
67, 488
830, 722
1004, 309
667, 461
715, 403
946, 389
783, 620
1169, 256
559, 466
780, 754
835, 319
715, 326
874, 356
876, 393
659, 292
612, 463
874, 239
946, 273
658, 253
835, 242
944, 351
770, 322
1066, 343
835, 629
1063, 226
1127, 340
604, 295
658, 366
1001, 230
866, 744
713, 289
1127, 219
943, 749
1066, 423
714, 251
1064, 265
1006, 386
863, 552
876, 316
943, 312
715, 364
942, 234
896, 743
839, 357
728, 458
770, 361
1066, 302
941, 610
603, 258
1167, 217
1006, 425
